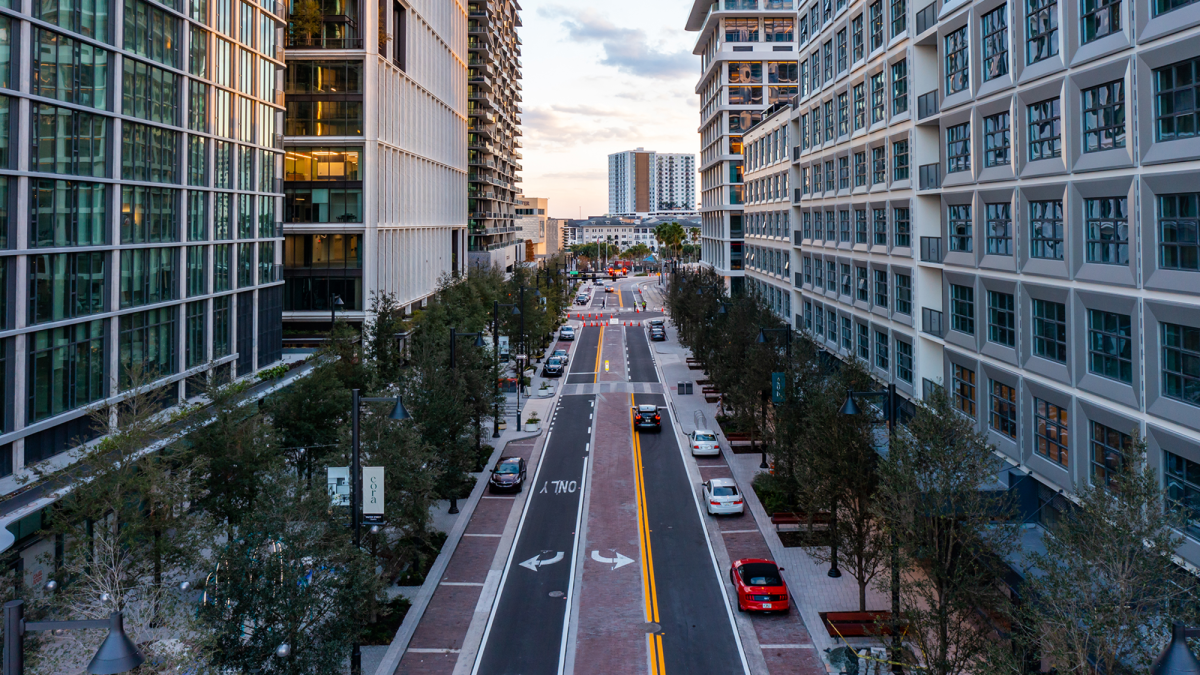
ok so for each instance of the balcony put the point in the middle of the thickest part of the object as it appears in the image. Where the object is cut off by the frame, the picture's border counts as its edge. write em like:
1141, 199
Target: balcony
796, 195
927, 18
795, 153
931, 322
931, 249
797, 282
321, 42
929, 176
927, 104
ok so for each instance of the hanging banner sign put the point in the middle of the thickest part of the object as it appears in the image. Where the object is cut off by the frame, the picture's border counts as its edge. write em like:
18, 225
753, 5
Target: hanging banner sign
338, 482
372, 507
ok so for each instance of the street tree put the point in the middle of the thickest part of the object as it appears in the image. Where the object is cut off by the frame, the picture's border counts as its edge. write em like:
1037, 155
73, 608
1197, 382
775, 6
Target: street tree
951, 534
385, 322
288, 574
1104, 593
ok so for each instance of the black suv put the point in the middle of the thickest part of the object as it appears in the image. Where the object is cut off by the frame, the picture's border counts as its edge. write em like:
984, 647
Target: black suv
647, 417
553, 367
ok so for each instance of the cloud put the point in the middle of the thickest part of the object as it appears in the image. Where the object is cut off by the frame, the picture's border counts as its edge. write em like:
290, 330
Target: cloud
551, 128
629, 50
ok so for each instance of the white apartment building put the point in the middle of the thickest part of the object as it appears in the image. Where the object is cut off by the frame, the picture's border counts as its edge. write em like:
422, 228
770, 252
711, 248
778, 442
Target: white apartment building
768, 243
376, 167
748, 63
999, 198
643, 184
620, 232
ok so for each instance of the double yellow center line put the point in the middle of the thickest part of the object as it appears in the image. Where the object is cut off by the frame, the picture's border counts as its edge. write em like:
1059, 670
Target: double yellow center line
599, 353
649, 587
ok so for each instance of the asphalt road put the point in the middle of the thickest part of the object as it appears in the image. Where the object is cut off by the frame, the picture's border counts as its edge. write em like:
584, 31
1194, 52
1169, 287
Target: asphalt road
525, 632
697, 635
640, 360
583, 357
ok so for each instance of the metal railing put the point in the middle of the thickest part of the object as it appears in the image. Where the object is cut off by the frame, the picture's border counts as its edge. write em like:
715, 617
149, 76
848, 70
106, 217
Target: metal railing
929, 176
931, 322
927, 104
931, 249
320, 42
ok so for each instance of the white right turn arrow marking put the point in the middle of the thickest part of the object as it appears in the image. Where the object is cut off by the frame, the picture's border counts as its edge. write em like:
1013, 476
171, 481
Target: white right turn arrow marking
618, 562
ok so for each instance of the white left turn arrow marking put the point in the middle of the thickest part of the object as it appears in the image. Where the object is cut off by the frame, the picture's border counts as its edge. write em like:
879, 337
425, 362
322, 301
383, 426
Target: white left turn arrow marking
535, 562
618, 562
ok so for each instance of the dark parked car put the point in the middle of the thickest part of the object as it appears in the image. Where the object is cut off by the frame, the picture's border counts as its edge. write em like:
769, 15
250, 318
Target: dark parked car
657, 334
509, 474
647, 417
553, 367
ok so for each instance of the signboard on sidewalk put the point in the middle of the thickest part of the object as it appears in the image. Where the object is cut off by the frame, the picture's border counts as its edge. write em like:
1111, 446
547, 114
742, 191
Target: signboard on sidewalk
777, 383
372, 507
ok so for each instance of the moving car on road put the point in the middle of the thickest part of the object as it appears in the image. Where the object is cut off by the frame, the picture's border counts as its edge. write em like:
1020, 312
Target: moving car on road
566, 333
582, 299
647, 417
553, 367
721, 497
562, 354
704, 442
608, 288
509, 474
759, 585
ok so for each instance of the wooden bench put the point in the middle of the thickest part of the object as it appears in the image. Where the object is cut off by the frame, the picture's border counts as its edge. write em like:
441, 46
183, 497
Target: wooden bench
782, 518
859, 624
693, 364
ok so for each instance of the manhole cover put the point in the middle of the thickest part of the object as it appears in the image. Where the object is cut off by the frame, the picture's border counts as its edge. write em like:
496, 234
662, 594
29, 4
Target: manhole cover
556, 594
651, 627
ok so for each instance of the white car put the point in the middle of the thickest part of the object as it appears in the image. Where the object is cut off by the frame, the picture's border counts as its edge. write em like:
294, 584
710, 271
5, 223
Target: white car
704, 442
722, 497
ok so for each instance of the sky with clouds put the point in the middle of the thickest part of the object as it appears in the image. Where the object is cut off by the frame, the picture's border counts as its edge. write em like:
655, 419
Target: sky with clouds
601, 78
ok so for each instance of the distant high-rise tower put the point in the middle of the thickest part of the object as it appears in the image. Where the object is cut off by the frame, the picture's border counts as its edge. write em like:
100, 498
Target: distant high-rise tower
646, 183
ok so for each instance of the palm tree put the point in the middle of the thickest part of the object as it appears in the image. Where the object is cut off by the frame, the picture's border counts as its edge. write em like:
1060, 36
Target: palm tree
670, 235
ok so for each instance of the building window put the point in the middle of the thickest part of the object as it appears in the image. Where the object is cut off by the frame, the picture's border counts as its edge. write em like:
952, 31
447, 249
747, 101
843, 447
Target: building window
65, 69
149, 215
152, 33
1045, 130
1098, 18
957, 61
1181, 363
1183, 489
860, 169
1179, 231
881, 350
827, 53
149, 153
67, 213
194, 352
148, 340
1110, 345
880, 227
197, 271
843, 173
1104, 117
830, 224
904, 361
841, 51
860, 226
1004, 409
847, 335
1002, 318
808, 278
879, 165
831, 324
345, 118
66, 369
899, 17
148, 276
1046, 229
222, 267
964, 390
846, 280
856, 37
198, 161
994, 27
1051, 433
958, 148
245, 265
323, 205
996, 142
741, 30
820, 277
864, 343
819, 326
1041, 21
1050, 330
999, 228
960, 227
81, 16
64, 286
1164, 6
860, 106
863, 294
845, 220
962, 309
881, 288
1107, 224
902, 237
900, 160
68, 141
899, 87
149, 92
1176, 105
777, 30
878, 98
843, 102
876, 25
903, 294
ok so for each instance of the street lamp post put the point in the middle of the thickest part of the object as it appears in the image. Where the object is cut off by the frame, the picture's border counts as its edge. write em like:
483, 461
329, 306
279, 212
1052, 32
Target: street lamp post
892, 406
762, 340
454, 335
398, 413
1176, 658
117, 654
